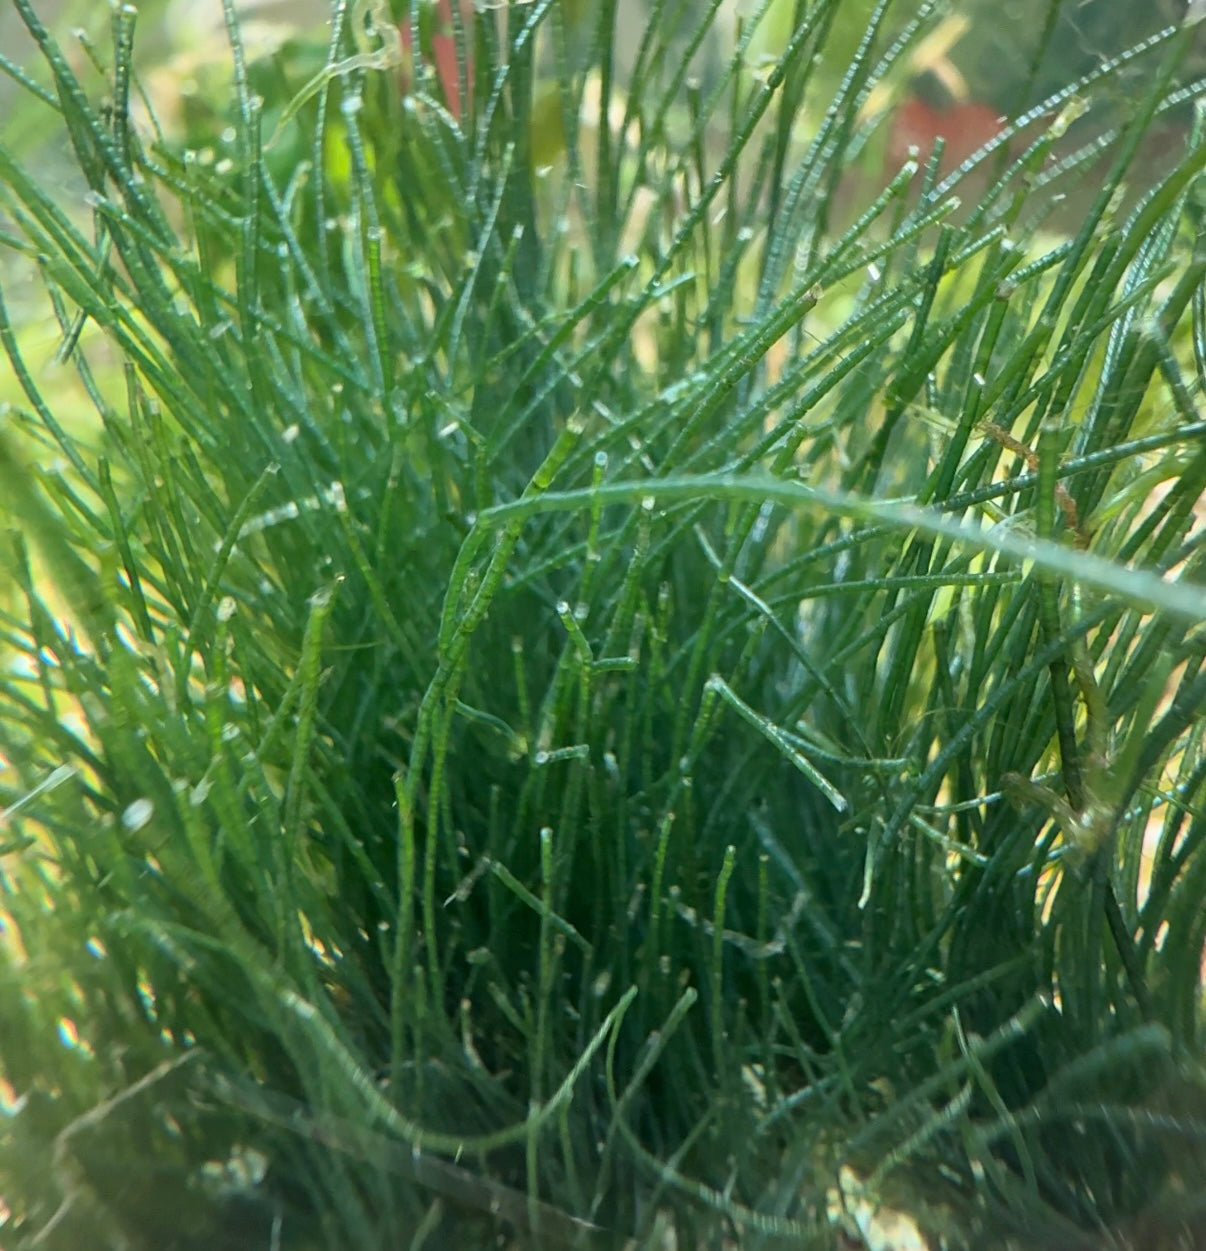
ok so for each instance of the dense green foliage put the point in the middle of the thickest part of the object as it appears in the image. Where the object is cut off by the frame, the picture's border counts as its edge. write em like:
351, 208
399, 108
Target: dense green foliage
579, 680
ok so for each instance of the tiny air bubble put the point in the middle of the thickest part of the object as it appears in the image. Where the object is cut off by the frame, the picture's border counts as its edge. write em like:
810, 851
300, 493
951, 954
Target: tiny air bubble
137, 814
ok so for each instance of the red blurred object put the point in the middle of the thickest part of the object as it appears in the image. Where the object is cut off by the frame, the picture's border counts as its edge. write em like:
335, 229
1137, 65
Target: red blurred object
965, 128
443, 54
